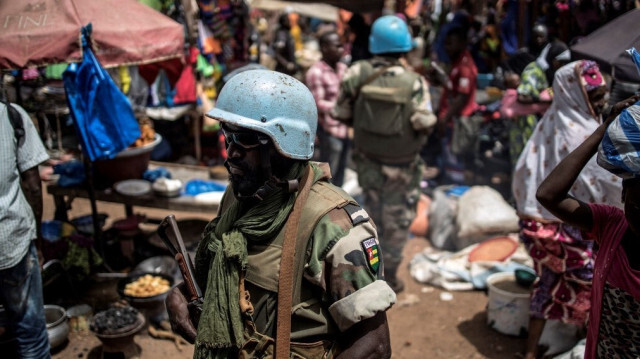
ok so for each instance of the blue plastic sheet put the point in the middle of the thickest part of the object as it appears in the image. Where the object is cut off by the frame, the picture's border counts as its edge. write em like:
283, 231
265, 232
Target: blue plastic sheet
197, 186
102, 114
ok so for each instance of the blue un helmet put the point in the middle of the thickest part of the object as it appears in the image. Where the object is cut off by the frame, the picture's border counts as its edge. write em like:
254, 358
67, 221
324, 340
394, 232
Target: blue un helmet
389, 34
274, 104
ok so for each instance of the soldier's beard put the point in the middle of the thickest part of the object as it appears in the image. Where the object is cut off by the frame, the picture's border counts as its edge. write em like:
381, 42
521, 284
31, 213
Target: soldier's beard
245, 185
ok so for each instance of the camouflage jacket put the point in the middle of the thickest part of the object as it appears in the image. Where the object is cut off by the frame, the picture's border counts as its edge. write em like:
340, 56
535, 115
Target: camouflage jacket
342, 282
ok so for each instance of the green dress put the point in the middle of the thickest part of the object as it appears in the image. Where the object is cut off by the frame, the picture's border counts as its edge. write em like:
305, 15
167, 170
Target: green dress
534, 81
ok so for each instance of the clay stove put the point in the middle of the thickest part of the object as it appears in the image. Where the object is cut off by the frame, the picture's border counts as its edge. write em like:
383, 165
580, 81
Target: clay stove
119, 343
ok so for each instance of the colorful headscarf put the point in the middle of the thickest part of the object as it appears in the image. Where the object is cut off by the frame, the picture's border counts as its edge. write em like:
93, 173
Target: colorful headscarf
590, 75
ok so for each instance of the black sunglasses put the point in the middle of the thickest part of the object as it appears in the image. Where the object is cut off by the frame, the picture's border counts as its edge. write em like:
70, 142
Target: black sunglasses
246, 140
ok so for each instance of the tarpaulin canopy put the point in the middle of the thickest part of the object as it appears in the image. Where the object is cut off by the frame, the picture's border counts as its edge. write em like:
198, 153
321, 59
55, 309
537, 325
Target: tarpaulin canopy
359, 6
43, 32
321, 11
607, 46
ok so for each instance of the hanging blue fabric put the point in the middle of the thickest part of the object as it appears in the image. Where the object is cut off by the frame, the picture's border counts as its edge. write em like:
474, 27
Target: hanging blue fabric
102, 114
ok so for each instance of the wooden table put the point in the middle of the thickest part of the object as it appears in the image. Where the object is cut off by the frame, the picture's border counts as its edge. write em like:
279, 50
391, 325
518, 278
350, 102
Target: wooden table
64, 196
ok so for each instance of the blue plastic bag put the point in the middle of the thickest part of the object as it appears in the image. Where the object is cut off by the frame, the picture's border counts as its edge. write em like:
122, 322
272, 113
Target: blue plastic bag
71, 173
197, 186
102, 114
153, 175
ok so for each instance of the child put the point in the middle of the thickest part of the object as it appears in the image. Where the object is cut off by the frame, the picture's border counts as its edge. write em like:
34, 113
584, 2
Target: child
614, 318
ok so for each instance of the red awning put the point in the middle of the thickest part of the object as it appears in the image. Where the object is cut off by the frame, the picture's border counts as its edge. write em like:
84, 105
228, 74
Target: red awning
43, 32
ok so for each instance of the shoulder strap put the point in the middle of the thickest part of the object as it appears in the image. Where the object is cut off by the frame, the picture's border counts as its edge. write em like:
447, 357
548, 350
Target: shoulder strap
370, 79
285, 281
15, 119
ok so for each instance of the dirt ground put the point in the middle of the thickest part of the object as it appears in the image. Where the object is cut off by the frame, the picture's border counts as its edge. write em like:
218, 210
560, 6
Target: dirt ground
421, 324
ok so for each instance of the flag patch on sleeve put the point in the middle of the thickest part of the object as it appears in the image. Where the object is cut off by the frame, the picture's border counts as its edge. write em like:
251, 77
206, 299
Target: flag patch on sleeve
372, 253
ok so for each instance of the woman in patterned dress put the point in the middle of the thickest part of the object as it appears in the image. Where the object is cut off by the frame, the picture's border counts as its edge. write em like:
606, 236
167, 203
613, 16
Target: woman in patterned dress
563, 260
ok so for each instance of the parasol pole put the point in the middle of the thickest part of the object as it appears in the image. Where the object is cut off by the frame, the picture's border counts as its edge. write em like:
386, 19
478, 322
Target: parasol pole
97, 230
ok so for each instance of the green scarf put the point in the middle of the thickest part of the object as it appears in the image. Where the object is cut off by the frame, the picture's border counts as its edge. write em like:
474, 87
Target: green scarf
222, 254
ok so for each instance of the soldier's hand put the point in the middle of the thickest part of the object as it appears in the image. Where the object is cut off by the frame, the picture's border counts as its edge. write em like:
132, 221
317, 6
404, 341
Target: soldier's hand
181, 322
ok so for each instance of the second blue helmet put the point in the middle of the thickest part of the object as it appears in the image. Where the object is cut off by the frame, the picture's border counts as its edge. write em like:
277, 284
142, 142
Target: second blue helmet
389, 34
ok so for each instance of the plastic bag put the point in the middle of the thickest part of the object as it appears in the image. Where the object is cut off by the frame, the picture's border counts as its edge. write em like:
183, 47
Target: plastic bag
619, 151
442, 214
102, 114
197, 186
482, 212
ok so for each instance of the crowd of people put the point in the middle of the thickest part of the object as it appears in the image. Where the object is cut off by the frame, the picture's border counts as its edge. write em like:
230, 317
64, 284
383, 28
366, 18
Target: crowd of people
293, 264
378, 111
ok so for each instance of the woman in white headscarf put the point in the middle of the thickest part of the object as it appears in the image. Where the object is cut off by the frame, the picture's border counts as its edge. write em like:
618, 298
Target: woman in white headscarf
563, 260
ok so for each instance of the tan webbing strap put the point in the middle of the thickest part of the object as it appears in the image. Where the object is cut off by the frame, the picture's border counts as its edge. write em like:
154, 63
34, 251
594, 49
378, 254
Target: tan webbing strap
285, 282
370, 79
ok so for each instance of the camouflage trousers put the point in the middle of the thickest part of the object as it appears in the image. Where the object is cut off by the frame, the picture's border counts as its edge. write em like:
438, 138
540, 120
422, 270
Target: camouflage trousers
391, 195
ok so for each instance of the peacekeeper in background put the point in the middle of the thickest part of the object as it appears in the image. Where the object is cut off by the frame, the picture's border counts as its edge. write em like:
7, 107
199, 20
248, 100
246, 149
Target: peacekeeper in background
337, 299
389, 107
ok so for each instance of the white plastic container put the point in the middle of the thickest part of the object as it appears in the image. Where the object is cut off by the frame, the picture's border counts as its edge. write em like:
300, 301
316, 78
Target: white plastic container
508, 307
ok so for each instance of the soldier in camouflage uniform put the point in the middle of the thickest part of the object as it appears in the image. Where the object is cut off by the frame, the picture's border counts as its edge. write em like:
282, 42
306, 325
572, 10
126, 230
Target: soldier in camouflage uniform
389, 107
339, 298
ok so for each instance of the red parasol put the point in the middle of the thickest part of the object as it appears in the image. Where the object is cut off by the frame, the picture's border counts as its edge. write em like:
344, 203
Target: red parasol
42, 32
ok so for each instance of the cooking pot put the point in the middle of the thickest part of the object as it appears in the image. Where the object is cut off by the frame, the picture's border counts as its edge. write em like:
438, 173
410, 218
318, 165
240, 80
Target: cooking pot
57, 324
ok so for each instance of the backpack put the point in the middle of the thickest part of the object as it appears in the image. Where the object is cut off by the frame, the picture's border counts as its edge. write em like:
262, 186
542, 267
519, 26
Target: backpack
381, 116
16, 121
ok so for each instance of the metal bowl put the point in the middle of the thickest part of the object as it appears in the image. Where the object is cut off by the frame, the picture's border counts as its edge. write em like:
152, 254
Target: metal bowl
157, 265
127, 164
134, 151
153, 307
122, 283
525, 277
57, 324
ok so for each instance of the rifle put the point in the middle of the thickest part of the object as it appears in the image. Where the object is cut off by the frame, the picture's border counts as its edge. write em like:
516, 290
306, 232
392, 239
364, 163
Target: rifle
179, 252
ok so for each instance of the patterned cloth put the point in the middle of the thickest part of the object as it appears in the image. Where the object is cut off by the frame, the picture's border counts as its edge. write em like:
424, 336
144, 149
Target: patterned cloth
614, 325
324, 83
567, 123
534, 81
619, 335
18, 223
564, 264
619, 152
333, 135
